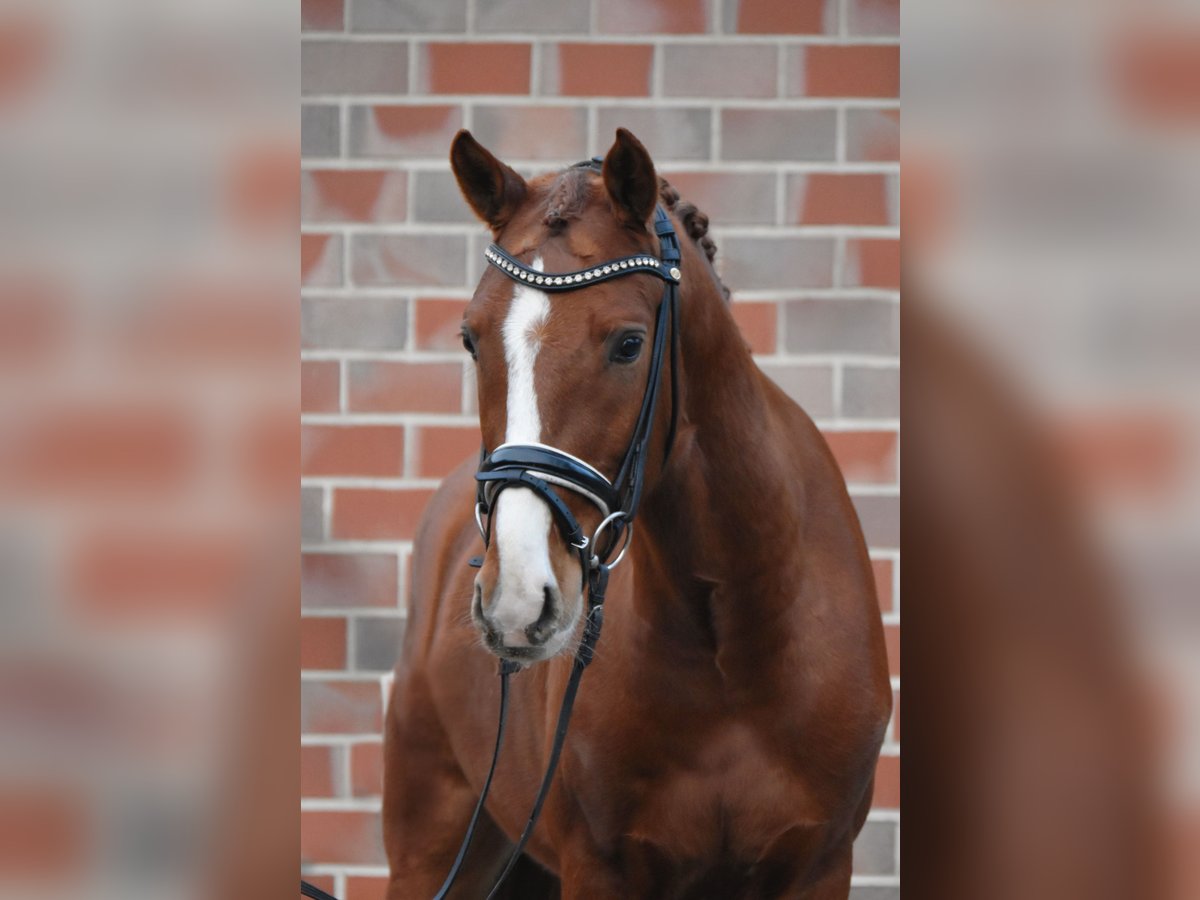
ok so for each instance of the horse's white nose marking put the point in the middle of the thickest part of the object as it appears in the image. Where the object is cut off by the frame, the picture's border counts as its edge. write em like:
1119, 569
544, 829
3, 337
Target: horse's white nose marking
522, 520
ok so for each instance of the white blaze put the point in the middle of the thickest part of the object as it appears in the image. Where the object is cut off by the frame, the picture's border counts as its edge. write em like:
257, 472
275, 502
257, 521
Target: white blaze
522, 520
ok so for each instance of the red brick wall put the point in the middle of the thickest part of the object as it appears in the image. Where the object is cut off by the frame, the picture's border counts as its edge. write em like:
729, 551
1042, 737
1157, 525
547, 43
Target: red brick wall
779, 119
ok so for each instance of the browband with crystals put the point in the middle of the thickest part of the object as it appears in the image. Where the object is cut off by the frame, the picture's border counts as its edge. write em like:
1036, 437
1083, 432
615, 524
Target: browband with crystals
569, 281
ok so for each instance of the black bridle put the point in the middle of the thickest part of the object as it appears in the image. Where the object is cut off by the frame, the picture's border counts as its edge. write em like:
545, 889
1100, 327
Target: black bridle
544, 470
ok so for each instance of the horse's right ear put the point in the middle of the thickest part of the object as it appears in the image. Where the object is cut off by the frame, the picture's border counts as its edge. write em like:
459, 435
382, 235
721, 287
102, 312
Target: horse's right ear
491, 188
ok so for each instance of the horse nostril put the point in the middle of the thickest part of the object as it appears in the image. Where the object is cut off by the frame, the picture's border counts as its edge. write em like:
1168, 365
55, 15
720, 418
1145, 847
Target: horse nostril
540, 631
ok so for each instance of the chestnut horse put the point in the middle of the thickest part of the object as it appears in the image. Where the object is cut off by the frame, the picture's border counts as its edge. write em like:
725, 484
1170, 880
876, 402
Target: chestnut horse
725, 737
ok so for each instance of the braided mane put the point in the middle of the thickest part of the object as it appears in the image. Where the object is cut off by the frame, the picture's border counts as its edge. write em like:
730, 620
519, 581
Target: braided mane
695, 223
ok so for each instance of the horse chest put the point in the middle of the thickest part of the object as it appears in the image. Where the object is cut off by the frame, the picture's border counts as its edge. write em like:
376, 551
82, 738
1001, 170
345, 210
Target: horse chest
729, 798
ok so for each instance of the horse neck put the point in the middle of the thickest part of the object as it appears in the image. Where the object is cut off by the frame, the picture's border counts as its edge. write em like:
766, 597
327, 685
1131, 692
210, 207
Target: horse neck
729, 501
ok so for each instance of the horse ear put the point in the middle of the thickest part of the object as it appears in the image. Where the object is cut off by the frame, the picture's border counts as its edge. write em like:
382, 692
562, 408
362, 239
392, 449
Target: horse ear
630, 179
491, 188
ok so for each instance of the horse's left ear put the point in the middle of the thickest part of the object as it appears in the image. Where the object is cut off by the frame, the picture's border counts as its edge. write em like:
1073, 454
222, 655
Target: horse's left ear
630, 179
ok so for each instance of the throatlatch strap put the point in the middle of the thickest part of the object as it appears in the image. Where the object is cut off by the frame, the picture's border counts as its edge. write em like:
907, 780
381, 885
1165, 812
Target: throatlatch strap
311, 890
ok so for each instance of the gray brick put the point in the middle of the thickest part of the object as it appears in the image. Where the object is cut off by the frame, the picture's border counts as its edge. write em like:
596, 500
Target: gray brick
312, 522
402, 259
420, 130
811, 386
438, 199
353, 323
874, 892
880, 520
346, 67
669, 133
406, 16
870, 392
779, 134
320, 131
533, 132
559, 16
720, 70
875, 849
729, 198
377, 642
842, 326
779, 263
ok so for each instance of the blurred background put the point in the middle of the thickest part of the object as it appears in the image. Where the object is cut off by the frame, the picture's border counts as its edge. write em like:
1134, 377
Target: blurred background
149, 580
779, 120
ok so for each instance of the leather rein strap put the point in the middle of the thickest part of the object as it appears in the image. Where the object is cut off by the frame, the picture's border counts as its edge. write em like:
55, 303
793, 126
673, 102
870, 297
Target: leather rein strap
542, 469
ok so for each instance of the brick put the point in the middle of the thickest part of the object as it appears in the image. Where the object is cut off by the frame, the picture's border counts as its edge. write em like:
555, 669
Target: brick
1155, 72
475, 68
806, 135
268, 454
408, 16
871, 392
437, 198
316, 771
842, 326
358, 195
554, 16
358, 67
875, 849
437, 323
857, 199
880, 520
340, 707
896, 716
810, 386
366, 887
872, 135
34, 322
669, 133
887, 783
440, 448
843, 71
368, 514
405, 387
720, 70
362, 450
340, 580
532, 132
312, 514
322, 15
872, 262
729, 198
781, 16
408, 259
597, 70
874, 892
882, 569
366, 769
353, 323
46, 830
757, 323
341, 837
377, 642
320, 260
403, 132
653, 16
322, 643
874, 17
319, 385
98, 448
782, 263
868, 457
156, 574
320, 131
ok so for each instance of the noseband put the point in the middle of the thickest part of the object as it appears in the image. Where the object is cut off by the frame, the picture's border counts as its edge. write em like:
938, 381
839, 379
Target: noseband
545, 470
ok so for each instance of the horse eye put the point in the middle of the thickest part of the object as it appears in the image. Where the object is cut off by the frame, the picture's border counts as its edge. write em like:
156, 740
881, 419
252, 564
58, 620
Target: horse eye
468, 344
629, 349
